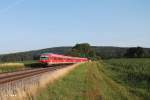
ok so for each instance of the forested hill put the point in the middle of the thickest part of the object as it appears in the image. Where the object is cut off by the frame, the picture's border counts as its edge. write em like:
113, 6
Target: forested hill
102, 51
31, 55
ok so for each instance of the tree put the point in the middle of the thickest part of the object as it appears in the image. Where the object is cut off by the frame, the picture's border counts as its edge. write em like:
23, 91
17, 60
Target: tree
136, 52
140, 52
82, 50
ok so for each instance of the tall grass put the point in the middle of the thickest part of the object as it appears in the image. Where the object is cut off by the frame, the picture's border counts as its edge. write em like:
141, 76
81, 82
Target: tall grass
9, 67
14, 66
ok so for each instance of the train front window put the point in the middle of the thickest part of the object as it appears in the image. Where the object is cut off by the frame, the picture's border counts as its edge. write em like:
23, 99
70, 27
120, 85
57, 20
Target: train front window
43, 58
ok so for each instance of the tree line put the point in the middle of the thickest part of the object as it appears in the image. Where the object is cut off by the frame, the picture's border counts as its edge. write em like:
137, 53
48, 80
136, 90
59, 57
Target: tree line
81, 50
85, 50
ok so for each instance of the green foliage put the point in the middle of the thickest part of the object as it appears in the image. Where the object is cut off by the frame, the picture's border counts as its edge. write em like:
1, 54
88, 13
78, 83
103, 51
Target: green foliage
132, 73
83, 50
137, 52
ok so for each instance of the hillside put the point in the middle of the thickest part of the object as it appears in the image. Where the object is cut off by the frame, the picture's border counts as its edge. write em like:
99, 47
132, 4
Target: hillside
31, 55
102, 51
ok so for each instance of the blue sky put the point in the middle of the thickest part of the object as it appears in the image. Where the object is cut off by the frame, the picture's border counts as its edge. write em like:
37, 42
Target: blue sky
35, 24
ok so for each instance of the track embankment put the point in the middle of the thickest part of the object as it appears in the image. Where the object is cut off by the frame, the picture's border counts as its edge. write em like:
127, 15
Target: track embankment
24, 84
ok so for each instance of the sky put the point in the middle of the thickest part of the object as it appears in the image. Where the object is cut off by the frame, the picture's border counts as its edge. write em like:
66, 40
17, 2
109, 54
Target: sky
35, 24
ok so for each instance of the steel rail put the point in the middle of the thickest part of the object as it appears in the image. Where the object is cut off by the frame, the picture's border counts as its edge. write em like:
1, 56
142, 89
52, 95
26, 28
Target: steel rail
5, 78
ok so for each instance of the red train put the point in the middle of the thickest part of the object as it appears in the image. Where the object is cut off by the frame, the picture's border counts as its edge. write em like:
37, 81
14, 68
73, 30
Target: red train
50, 58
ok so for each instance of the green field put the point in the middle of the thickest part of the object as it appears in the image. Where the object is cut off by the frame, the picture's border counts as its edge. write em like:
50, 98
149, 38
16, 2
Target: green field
134, 74
115, 79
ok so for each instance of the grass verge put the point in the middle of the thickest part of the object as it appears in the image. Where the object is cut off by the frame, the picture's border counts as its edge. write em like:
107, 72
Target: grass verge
81, 84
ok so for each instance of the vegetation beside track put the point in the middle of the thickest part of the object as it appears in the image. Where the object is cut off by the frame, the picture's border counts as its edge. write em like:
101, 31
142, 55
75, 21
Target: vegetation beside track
82, 83
116, 79
14, 66
9, 67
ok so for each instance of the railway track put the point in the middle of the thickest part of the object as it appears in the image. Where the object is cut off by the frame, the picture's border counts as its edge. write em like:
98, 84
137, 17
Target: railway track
9, 77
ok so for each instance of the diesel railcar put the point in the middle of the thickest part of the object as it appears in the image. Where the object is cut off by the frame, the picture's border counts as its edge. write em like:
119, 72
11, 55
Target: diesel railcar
51, 58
